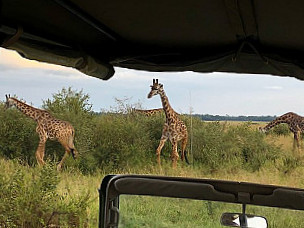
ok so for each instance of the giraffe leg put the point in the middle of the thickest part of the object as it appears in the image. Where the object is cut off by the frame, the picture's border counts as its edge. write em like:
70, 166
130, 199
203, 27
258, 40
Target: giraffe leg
66, 145
294, 140
40, 152
299, 142
59, 166
183, 154
159, 148
174, 154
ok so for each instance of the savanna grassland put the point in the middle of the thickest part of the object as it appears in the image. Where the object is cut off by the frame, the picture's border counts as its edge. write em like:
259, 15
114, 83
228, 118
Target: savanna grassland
117, 141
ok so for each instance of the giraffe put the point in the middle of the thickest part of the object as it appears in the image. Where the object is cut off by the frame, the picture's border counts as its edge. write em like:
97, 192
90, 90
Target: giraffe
149, 112
174, 128
295, 124
47, 127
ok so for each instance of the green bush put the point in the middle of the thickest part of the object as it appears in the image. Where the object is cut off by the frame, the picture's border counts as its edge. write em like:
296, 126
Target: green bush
124, 141
30, 199
217, 146
281, 129
18, 138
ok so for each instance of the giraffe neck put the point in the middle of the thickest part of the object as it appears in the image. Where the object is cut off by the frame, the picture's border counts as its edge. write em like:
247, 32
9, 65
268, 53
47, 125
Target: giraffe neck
150, 112
286, 118
27, 110
169, 112
273, 124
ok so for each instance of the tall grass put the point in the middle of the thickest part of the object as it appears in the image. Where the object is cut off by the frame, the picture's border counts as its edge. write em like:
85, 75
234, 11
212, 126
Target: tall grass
29, 198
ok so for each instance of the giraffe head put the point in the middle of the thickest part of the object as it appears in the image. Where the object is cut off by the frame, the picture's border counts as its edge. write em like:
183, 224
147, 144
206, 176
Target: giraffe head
9, 102
263, 130
155, 88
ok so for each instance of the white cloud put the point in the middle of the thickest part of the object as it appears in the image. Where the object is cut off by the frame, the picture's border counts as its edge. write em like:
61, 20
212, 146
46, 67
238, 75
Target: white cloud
274, 87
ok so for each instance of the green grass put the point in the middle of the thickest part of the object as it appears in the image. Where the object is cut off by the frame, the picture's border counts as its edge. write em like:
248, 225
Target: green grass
145, 211
70, 198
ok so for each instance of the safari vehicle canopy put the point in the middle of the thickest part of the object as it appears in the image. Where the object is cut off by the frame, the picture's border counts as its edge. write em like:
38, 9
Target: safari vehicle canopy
248, 36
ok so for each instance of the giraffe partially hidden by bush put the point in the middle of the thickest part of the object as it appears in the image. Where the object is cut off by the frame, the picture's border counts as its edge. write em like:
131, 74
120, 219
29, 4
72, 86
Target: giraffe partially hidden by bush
147, 112
174, 128
47, 127
294, 122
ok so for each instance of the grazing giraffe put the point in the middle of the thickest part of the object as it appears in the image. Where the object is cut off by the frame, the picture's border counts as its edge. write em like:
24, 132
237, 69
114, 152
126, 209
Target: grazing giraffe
295, 124
47, 127
149, 112
174, 128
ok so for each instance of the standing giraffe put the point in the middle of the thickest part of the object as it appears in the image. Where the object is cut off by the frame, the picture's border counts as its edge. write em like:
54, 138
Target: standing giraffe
149, 112
174, 128
295, 124
47, 127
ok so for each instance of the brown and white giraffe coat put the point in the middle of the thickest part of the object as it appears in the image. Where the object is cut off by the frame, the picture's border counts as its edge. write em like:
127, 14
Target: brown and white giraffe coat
47, 127
174, 128
294, 122
148, 112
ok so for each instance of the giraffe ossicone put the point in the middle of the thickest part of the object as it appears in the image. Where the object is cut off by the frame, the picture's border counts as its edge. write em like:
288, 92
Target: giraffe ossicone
48, 127
174, 128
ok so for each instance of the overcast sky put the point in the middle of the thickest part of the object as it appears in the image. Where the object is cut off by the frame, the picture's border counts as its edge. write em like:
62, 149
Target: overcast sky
216, 93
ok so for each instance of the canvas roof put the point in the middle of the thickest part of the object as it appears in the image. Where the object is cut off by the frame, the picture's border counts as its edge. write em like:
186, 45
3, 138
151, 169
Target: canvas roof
93, 36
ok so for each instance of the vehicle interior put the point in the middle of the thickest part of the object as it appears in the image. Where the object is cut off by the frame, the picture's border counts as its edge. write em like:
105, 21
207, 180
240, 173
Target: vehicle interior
96, 36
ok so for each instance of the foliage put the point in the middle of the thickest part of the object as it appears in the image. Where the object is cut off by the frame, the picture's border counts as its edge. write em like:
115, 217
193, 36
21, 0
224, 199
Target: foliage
281, 129
217, 145
30, 199
18, 138
208, 117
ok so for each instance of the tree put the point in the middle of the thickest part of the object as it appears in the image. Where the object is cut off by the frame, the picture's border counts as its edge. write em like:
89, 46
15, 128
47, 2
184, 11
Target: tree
69, 101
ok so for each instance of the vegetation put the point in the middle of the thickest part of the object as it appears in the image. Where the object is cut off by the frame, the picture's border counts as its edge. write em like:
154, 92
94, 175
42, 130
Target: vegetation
208, 117
119, 142
29, 198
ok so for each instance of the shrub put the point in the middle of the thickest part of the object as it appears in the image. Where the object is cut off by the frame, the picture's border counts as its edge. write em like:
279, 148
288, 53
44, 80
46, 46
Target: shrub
30, 199
18, 138
122, 141
217, 146
281, 129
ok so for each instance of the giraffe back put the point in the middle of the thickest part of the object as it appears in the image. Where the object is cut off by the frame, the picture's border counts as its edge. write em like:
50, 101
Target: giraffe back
57, 129
294, 121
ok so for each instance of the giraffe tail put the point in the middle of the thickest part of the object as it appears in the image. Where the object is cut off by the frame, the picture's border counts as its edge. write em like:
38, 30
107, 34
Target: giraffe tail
72, 147
73, 153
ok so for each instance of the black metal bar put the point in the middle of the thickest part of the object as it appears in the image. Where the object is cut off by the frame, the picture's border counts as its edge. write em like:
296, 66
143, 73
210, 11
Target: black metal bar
87, 18
11, 31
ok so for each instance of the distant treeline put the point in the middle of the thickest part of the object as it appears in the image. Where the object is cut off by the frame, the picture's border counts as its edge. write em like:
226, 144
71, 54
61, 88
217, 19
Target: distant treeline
207, 117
